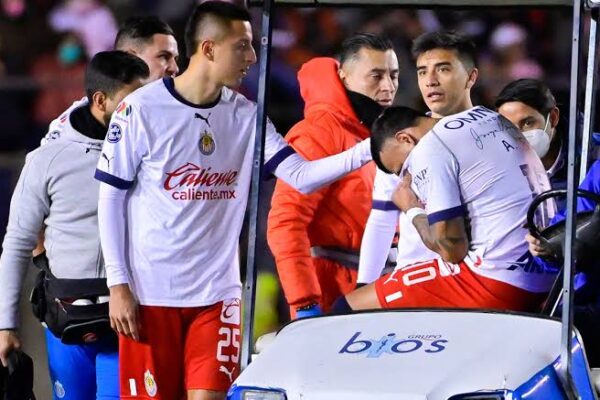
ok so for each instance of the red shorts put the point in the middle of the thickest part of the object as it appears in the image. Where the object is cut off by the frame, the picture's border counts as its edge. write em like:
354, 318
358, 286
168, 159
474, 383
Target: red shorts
437, 284
181, 349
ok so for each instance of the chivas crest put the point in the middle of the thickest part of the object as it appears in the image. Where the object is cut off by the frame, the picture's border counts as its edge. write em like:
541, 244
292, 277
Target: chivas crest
207, 143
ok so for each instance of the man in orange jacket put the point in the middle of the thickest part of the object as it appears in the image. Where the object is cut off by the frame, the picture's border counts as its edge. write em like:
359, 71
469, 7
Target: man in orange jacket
315, 238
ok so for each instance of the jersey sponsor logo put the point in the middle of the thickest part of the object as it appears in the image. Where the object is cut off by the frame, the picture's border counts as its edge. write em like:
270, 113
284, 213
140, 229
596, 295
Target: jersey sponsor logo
192, 194
207, 143
191, 182
390, 344
123, 110
230, 311
191, 175
114, 133
474, 115
421, 178
150, 384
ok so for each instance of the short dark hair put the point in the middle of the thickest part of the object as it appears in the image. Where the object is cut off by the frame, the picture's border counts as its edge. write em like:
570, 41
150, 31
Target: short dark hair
536, 94
391, 120
222, 11
141, 30
449, 40
352, 45
109, 71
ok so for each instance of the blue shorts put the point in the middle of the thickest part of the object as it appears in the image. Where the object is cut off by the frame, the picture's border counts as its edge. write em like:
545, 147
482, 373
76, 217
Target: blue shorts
78, 372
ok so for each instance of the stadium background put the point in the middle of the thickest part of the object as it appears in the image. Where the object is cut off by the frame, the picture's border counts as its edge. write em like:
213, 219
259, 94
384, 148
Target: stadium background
41, 74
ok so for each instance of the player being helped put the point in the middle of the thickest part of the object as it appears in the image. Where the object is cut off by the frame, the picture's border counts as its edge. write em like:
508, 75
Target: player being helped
467, 183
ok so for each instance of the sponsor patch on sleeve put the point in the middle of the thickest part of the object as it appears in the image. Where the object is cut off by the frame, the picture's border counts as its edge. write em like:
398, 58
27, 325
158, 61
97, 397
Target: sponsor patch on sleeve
114, 133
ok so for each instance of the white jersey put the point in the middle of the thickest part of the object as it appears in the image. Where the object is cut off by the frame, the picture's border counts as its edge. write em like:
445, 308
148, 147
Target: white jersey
189, 169
192, 173
477, 165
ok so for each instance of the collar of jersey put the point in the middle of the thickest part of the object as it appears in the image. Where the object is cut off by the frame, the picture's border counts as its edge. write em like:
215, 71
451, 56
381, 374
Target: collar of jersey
170, 85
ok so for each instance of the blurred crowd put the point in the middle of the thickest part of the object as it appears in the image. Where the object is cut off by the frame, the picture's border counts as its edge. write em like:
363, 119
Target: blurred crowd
44, 46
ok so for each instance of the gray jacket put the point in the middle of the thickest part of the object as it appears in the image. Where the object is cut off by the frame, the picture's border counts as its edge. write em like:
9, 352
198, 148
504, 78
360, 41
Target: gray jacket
56, 189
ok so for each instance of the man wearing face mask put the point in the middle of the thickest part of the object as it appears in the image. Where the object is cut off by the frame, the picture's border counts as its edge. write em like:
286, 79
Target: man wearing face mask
315, 238
530, 105
467, 182
70, 51
59, 75
149, 38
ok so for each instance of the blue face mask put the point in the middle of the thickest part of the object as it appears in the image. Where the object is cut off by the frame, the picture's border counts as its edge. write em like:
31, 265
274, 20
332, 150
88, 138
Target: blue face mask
69, 53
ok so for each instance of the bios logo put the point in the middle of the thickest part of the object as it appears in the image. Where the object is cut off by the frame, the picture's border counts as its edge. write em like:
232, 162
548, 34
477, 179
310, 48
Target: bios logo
392, 345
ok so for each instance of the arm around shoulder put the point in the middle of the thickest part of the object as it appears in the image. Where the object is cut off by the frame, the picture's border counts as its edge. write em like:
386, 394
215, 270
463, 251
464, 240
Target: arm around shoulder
308, 176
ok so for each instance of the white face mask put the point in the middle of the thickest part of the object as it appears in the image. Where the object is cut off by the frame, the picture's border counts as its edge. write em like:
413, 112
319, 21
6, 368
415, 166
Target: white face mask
539, 139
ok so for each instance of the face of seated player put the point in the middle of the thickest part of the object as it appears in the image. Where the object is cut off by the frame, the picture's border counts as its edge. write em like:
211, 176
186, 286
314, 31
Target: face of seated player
161, 55
111, 102
233, 54
444, 82
372, 73
395, 150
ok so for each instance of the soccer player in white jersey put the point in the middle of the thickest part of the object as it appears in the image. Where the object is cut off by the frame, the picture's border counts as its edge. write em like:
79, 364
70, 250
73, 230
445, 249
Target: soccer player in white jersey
446, 72
467, 182
175, 179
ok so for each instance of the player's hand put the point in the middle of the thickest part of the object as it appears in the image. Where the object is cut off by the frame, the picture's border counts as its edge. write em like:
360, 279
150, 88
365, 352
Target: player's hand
9, 341
123, 312
537, 247
404, 197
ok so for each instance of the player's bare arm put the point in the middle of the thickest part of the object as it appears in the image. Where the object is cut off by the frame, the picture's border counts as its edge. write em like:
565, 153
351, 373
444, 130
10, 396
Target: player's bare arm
447, 238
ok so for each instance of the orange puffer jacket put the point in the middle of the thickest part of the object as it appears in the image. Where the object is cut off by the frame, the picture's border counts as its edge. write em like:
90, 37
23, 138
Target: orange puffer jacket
334, 216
